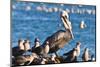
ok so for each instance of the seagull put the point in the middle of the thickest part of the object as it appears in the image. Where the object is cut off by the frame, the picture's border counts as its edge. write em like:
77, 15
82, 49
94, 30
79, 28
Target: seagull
71, 56
86, 55
27, 45
37, 43
78, 44
25, 59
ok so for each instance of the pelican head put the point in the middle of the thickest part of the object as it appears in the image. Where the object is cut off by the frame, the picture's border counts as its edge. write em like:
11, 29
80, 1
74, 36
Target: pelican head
65, 13
66, 22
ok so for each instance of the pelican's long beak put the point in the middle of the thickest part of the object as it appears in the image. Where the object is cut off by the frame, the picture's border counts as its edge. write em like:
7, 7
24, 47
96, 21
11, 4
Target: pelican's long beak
68, 25
72, 34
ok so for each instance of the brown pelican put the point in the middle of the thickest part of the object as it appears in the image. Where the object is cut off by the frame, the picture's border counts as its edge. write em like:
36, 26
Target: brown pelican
71, 55
86, 56
61, 37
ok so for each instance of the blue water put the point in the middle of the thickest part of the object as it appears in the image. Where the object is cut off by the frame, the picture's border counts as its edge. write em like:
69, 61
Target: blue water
29, 24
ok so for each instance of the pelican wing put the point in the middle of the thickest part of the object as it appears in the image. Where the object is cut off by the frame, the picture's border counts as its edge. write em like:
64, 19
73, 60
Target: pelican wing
55, 37
58, 40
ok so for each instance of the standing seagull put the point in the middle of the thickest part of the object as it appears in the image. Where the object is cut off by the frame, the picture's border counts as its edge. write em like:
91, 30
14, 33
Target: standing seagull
18, 50
36, 43
46, 48
71, 55
20, 44
92, 58
78, 48
42, 50
61, 37
86, 56
26, 45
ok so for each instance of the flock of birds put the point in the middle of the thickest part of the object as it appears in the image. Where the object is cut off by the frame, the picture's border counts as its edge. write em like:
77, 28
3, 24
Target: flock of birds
73, 9
47, 52
39, 54
55, 9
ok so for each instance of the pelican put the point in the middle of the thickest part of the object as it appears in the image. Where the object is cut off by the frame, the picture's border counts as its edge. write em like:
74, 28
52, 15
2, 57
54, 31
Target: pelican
86, 56
61, 37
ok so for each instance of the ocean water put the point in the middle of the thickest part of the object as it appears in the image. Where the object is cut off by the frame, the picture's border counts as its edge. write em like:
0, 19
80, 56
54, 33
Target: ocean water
29, 21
